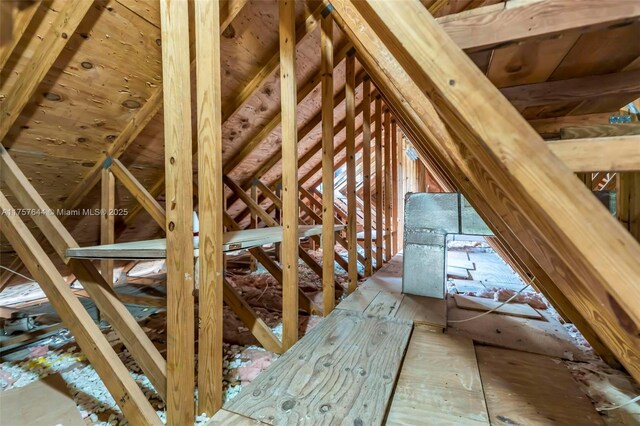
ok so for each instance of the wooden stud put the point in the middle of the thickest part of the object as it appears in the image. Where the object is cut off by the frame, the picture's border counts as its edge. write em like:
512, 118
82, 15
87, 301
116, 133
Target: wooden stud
401, 188
350, 99
92, 342
146, 200
253, 224
379, 201
107, 220
328, 234
210, 200
289, 126
394, 187
176, 72
366, 174
628, 202
388, 199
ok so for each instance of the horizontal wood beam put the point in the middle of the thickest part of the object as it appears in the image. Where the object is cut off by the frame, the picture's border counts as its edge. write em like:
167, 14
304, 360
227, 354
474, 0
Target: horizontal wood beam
621, 153
509, 22
574, 89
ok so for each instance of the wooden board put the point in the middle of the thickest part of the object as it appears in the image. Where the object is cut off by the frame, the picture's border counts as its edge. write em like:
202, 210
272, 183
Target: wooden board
388, 279
342, 372
385, 304
541, 337
528, 389
157, 249
439, 383
358, 300
422, 310
43, 402
484, 304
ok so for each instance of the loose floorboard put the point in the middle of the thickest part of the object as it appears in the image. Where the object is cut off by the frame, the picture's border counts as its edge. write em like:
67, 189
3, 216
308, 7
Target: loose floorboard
439, 383
541, 337
528, 389
343, 371
484, 304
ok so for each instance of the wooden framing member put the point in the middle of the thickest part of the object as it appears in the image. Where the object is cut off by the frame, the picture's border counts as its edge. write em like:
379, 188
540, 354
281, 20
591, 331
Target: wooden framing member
400, 178
379, 201
210, 206
577, 269
388, 199
107, 220
106, 300
628, 202
394, 188
352, 241
176, 71
92, 342
328, 220
272, 267
289, 105
366, 174
18, 27
146, 200
616, 153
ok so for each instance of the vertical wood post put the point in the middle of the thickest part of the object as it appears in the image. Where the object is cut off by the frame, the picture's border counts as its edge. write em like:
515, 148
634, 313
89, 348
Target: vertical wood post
107, 220
176, 71
394, 187
379, 189
211, 202
328, 234
401, 188
628, 202
253, 224
366, 173
387, 186
350, 121
289, 173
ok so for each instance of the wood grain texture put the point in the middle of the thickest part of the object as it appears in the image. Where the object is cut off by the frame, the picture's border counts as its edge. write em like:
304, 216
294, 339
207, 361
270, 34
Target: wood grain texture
378, 195
21, 18
210, 200
599, 131
502, 24
522, 393
107, 220
176, 71
42, 60
366, 175
484, 304
228, 418
584, 292
343, 371
328, 219
439, 383
350, 105
388, 198
146, 200
289, 103
616, 153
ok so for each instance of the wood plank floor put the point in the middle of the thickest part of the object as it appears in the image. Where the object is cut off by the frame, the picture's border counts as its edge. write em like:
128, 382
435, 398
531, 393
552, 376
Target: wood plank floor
529, 389
439, 383
342, 372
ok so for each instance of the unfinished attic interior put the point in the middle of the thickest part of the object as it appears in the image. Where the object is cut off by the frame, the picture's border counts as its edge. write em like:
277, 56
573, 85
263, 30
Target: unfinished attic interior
230, 212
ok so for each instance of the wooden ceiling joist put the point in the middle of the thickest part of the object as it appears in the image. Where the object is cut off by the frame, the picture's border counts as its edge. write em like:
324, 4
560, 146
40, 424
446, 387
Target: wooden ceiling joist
545, 224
